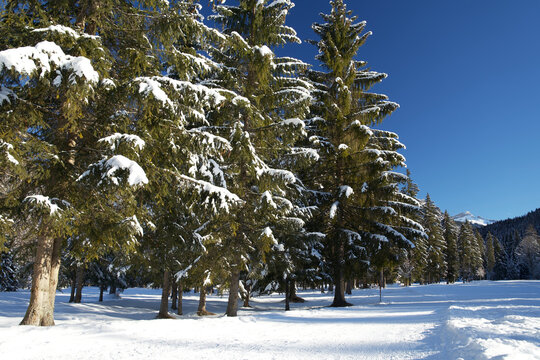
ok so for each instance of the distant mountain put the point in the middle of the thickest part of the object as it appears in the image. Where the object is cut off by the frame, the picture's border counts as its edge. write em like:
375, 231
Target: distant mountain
473, 219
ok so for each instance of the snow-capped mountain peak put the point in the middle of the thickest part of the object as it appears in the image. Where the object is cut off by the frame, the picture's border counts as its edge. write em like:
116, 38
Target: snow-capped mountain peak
473, 219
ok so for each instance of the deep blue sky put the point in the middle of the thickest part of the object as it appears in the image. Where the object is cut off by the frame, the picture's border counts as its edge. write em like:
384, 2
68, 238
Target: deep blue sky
467, 76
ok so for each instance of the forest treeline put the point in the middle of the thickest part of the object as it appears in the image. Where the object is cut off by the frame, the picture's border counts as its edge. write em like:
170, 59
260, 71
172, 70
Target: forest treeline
142, 146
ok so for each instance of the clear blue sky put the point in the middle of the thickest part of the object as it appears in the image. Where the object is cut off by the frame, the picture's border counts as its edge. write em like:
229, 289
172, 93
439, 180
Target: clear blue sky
467, 76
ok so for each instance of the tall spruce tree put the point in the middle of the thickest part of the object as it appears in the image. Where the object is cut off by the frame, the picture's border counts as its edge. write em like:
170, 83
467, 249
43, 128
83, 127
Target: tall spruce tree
490, 255
262, 124
361, 202
467, 252
54, 71
436, 246
451, 254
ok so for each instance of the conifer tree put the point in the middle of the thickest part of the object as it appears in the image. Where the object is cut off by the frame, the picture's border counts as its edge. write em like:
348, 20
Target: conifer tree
436, 246
490, 255
262, 124
8, 273
467, 252
451, 251
528, 253
54, 81
362, 206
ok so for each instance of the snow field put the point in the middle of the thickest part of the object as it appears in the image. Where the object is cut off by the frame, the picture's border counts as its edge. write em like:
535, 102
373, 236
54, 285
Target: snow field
479, 320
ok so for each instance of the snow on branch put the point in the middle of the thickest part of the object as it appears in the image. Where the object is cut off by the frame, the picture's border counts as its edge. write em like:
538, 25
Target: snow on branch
47, 203
65, 30
5, 95
115, 139
226, 198
30, 59
7, 146
109, 168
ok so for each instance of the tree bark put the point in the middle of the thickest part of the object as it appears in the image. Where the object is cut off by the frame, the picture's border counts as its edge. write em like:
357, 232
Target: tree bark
201, 310
112, 289
349, 287
164, 307
381, 282
39, 312
80, 282
101, 290
339, 281
174, 295
73, 284
180, 296
232, 305
287, 294
293, 297
247, 295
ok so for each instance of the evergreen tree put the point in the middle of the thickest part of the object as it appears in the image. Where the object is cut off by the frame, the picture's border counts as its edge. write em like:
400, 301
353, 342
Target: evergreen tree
8, 273
436, 246
451, 252
480, 255
467, 252
262, 124
490, 255
528, 253
362, 207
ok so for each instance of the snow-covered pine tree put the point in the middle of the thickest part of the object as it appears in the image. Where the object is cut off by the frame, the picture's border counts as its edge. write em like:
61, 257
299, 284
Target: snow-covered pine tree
53, 72
451, 254
8, 272
490, 256
480, 255
528, 253
467, 252
362, 202
436, 265
262, 123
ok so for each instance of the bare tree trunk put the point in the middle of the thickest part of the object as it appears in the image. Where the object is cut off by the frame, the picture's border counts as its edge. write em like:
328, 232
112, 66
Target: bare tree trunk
164, 307
101, 290
247, 295
73, 283
201, 311
381, 281
39, 311
287, 294
339, 281
349, 287
293, 297
180, 296
80, 282
331, 287
174, 295
112, 288
232, 305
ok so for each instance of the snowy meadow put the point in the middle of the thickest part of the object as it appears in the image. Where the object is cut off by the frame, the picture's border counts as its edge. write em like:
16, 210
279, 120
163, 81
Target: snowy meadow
478, 320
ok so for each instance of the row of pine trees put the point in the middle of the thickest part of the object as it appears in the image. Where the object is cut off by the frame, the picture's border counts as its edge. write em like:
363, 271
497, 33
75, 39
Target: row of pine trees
142, 145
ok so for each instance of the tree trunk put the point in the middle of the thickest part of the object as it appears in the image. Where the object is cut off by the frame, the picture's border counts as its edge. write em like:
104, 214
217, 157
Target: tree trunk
247, 295
287, 294
174, 295
381, 282
39, 311
180, 296
232, 305
112, 288
331, 287
101, 290
339, 281
293, 297
201, 310
164, 307
80, 282
73, 283
349, 287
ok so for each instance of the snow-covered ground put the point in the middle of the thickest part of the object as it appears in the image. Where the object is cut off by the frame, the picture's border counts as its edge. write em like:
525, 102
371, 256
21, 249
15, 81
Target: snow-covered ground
480, 320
